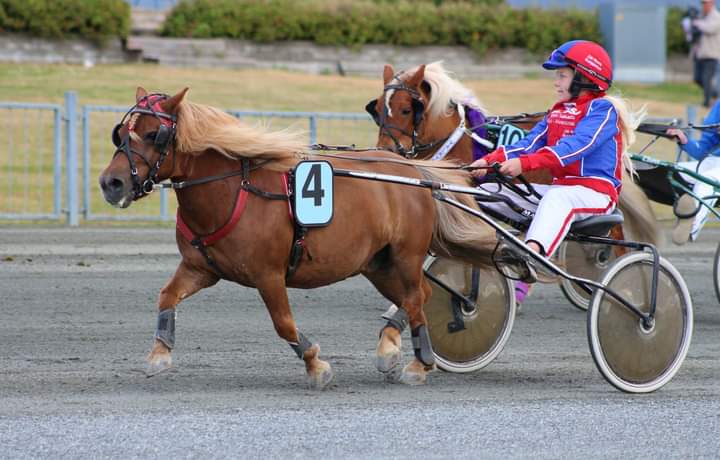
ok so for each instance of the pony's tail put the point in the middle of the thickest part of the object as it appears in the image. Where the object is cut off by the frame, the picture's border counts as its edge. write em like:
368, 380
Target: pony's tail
458, 234
640, 222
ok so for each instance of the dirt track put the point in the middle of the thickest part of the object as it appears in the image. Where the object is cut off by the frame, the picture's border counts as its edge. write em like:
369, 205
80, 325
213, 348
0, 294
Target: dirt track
78, 312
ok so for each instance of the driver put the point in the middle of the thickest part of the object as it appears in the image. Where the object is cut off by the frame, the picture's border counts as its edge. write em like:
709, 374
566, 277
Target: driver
581, 141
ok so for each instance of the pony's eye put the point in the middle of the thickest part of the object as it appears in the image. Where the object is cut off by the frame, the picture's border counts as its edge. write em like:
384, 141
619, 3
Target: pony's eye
406, 111
150, 136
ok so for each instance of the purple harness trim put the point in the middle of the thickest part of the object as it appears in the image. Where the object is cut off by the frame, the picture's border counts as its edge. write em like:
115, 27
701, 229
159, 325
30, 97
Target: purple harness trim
477, 125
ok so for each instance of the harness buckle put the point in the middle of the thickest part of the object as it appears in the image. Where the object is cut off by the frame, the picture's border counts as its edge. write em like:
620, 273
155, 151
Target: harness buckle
148, 186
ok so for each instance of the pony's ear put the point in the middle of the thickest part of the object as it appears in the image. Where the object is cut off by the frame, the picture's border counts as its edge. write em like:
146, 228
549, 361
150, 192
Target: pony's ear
417, 78
140, 93
170, 105
388, 73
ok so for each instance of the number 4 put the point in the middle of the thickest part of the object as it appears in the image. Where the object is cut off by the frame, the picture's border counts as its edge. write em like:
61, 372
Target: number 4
317, 192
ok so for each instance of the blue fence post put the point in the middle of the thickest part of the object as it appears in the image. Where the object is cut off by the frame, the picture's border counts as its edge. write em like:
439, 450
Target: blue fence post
71, 160
86, 161
313, 129
57, 168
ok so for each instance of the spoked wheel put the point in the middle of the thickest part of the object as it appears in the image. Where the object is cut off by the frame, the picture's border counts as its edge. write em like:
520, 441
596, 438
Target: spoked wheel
467, 335
716, 272
583, 260
632, 356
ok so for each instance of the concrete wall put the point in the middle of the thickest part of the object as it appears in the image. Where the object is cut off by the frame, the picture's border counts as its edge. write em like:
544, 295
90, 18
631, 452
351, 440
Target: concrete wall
300, 56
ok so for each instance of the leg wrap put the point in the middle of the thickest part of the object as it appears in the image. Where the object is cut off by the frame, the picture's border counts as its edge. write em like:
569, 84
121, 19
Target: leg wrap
422, 346
165, 331
301, 346
396, 317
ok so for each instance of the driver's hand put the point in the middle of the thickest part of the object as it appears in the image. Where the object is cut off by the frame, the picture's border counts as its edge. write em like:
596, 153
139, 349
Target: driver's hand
481, 163
679, 134
512, 167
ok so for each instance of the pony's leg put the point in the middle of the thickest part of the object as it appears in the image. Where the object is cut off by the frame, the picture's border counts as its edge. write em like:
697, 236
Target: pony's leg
415, 373
274, 294
388, 352
184, 283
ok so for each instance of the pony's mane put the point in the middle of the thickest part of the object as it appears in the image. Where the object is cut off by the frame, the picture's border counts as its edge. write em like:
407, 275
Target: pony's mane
445, 91
201, 127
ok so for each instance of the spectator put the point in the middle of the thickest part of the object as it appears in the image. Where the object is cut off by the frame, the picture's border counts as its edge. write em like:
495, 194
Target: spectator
705, 155
706, 51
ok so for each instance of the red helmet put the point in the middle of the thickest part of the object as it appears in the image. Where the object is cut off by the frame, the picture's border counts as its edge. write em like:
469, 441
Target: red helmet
586, 57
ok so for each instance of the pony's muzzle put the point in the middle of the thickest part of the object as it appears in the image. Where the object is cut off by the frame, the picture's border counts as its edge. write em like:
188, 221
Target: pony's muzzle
114, 188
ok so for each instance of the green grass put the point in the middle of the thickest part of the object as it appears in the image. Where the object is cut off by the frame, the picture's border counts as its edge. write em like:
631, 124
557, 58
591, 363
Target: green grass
683, 93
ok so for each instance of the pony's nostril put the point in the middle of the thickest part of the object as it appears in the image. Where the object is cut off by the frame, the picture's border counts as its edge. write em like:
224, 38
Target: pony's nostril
112, 184
116, 185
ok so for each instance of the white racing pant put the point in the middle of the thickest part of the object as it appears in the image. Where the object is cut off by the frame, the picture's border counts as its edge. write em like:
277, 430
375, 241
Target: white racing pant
710, 168
560, 206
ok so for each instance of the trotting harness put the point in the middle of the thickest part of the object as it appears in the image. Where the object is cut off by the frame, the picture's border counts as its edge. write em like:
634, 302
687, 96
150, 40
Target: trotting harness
163, 139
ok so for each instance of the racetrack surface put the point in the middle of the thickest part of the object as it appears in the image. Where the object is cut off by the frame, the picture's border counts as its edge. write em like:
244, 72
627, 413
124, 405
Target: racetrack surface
77, 314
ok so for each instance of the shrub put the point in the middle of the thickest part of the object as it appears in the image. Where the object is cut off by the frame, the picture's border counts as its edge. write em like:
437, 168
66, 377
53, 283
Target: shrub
479, 24
96, 20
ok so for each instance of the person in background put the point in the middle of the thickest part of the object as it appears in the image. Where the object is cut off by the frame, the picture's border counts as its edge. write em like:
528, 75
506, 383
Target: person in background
706, 50
706, 161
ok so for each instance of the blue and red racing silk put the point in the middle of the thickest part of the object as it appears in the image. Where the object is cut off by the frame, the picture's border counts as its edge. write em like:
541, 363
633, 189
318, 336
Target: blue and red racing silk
477, 125
579, 141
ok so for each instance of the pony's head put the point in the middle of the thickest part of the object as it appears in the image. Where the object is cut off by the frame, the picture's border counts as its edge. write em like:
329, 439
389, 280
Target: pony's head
415, 112
399, 111
144, 140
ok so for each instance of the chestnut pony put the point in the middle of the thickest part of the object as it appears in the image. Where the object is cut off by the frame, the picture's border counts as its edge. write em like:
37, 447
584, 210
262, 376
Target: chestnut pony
234, 222
418, 111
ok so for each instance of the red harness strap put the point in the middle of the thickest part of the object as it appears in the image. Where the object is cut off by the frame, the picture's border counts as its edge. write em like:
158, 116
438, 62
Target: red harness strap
229, 225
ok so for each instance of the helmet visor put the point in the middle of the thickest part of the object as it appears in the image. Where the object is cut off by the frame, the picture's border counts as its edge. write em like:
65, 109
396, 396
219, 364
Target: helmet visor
556, 61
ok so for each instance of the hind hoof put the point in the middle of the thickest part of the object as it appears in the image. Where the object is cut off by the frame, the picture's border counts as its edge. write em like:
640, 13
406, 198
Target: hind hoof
158, 366
320, 379
415, 373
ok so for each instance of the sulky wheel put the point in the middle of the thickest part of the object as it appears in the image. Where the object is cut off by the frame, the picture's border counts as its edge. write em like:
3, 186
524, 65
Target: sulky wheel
716, 272
583, 260
467, 335
634, 357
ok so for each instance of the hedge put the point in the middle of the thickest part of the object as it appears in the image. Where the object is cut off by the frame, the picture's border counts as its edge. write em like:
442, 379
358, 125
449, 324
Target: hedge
479, 24
96, 20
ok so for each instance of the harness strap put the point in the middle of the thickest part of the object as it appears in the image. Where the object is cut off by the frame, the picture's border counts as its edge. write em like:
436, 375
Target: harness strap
223, 231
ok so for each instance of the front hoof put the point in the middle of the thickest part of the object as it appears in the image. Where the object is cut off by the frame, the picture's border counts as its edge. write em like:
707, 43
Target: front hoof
415, 373
321, 377
158, 364
388, 362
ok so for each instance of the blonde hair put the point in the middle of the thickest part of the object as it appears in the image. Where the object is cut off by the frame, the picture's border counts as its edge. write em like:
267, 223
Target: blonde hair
201, 127
445, 91
628, 122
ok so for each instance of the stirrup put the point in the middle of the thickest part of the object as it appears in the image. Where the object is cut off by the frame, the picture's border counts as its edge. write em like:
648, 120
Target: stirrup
513, 264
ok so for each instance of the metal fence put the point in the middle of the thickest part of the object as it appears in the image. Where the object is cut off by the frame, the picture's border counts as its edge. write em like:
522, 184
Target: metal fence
30, 161
51, 156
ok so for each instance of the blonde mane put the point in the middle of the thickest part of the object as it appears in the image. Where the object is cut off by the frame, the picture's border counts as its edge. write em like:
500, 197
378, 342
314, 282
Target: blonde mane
201, 127
445, 91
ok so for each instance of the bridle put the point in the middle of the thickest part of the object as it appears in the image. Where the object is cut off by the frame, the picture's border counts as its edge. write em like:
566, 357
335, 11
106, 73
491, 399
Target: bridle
418, 108
163, 139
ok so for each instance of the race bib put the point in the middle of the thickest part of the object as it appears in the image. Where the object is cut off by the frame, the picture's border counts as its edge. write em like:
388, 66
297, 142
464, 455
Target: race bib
509, 134
313, 193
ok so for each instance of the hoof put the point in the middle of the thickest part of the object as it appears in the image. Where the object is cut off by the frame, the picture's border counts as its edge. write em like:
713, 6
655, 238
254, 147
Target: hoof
322, 377
393, 375
415, 373
158, 365
388, 362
